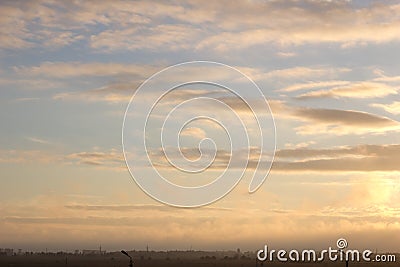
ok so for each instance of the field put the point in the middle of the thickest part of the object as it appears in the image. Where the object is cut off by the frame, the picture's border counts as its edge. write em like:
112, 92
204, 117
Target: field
118, 260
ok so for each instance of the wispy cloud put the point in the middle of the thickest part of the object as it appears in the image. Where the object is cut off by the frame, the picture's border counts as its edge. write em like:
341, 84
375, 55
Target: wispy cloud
301, 72
136, 207
26, 99
172, 37
360, 158
325, 120
344, 117
393, 108
112, 159
356, 151
342, 122
111, 93
36, 83
38, 140
357, 90
74, 69
194, 132
388, 79
311, 85
28, 156
286, 54
120, 207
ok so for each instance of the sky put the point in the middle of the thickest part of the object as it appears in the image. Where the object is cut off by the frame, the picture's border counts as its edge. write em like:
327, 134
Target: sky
330, 73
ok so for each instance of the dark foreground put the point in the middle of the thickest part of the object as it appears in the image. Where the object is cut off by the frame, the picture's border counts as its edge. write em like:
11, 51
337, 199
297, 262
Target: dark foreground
120, 261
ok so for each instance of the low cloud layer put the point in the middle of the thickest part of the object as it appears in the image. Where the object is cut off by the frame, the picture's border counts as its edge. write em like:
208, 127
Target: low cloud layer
362, 158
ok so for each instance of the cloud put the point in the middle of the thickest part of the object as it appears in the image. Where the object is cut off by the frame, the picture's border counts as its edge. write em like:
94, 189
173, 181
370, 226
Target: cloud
324, 120
111, 93
300, 145
311, 85
38, 140
28, 156
59, 39
356, 151
388, 79
300, 73
81, 224
340, 165
194, 132
333, 121
357, 90
286, 54
32, 83
122, 92
223, 25
342, 122
27, 99
360, 158
89, 220
13, 28
290, 23
122, 208
111, 159
393, 108
310, 121
165, 37
135, 207
344, 117
36, 23
76, 69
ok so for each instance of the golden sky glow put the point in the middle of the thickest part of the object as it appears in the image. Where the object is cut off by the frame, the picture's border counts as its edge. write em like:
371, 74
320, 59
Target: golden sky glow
330, 70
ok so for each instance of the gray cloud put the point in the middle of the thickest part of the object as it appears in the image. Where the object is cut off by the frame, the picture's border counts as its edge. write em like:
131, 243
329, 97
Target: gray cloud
356, 158
344, 117
324, 120
360, 150
341, 165
361, 158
